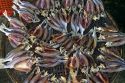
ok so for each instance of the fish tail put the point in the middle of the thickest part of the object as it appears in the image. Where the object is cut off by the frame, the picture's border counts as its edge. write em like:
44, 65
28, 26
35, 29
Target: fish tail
16, 1
2, 29
14, 7
5, 14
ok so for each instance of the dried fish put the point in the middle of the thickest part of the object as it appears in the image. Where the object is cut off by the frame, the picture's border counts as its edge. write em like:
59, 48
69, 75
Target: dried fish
13, 54
56, 23
74, 22
114, 66
20, 63
78, 60
35, 78
113, 63
89, 6
112, 38
27, 5
27, 80
50, 52
15, 38
68, 3
26, 15
10, 30
59, 38
42, 32
98, 6
100, 78
115, 41
14, 23
84, 21
110, 55
44, 4
114, 44
74, 40
24, 66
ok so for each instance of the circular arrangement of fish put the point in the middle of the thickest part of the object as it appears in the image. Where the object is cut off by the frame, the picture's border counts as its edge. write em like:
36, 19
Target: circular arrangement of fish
76, 34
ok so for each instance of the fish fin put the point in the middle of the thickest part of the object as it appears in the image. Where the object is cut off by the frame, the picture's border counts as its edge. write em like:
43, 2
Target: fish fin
15, 7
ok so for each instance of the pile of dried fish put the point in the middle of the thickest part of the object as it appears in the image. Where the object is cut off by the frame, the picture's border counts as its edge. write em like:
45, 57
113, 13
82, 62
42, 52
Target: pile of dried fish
77, 34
